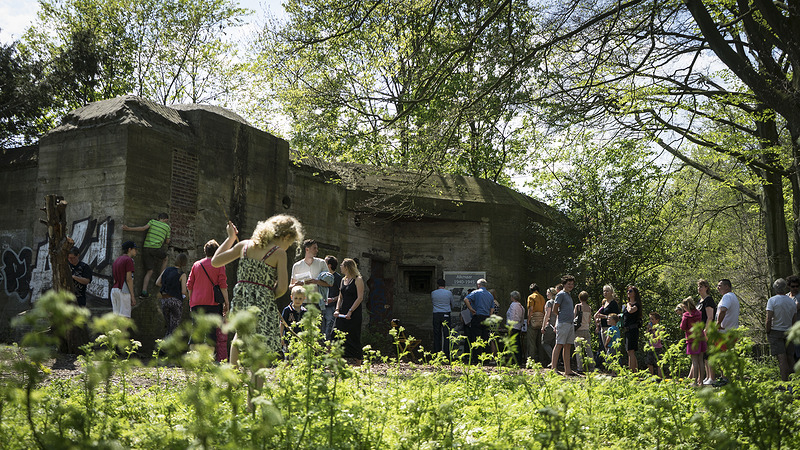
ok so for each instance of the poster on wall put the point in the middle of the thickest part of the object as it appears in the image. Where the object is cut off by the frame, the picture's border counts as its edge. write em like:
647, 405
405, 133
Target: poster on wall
461, 282
462, 279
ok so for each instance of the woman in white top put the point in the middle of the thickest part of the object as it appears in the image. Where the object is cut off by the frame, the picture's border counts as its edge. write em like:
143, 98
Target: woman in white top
583, 332
514, 317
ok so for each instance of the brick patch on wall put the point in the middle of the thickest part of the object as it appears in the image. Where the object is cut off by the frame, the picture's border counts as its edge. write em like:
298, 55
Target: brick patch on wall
183, 198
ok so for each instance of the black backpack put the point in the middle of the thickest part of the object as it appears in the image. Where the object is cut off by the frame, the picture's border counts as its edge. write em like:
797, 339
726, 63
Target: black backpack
578, 317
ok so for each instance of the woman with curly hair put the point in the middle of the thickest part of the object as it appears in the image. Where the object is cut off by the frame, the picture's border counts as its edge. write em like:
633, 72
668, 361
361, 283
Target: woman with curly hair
262, 275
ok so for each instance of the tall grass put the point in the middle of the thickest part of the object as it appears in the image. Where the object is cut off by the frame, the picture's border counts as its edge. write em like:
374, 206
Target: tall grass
314, 399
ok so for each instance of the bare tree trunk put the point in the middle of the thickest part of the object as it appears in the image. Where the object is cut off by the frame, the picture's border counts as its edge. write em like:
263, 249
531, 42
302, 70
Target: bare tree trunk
773, 201
794, 133
795, 224
60, 244
777, 236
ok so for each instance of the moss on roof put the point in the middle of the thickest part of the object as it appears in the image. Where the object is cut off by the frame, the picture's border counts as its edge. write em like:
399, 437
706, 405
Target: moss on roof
389, 181
134, 110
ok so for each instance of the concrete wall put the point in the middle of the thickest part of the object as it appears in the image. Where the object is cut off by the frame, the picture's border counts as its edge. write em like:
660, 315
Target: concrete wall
125, 160
18, 250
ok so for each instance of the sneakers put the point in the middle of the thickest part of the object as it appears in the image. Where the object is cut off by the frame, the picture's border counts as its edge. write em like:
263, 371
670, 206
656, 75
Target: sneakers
720, 382
708, 382
143, 295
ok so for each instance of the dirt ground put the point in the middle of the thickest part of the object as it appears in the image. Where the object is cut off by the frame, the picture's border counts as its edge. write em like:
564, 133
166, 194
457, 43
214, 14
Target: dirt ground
66, 366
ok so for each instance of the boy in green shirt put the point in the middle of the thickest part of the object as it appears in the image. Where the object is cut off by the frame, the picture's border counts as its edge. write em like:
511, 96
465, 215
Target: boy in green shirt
154, 250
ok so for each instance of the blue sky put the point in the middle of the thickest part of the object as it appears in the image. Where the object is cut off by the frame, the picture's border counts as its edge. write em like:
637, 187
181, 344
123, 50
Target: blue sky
17, 15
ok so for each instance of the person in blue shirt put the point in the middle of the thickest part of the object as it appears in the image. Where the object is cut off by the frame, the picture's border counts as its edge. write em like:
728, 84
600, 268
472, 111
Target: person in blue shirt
442, 301
480, 303
563, 309
612, 335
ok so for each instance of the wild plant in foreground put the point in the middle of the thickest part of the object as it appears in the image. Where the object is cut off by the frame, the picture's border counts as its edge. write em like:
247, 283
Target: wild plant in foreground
51, 319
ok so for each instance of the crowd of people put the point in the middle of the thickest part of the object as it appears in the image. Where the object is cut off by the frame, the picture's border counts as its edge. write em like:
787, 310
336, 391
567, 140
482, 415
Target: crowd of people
555, 324
261, 278
552, 326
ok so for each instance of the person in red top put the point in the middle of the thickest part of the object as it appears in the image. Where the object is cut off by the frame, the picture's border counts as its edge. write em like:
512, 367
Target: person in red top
122, 291
694, 348
200, 286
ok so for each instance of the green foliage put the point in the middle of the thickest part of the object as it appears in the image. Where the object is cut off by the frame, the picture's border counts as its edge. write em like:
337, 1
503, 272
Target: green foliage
24, 98
82, 51
313, 399
619, 202
401, 83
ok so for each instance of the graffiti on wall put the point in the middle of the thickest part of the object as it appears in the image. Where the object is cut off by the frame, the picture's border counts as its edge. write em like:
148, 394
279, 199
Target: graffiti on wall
27, 275
17, 272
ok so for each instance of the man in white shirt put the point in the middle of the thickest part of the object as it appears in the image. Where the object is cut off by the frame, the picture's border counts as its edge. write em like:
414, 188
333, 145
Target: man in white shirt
728, 307
781, 313
307, 270
727, 319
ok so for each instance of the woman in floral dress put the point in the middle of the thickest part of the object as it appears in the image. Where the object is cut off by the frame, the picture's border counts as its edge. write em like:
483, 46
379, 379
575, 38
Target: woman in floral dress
262, 275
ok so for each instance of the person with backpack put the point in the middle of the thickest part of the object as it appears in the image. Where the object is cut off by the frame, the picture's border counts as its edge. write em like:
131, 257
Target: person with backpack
200, 287
172, 282
582, 323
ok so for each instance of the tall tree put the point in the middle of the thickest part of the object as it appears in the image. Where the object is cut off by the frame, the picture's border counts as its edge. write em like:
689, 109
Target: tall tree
168, 51
621, 202
395, 83
650, 71
24, 99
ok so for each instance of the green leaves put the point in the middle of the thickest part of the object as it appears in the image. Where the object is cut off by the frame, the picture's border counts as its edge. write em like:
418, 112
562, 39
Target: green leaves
82, 51
401, 83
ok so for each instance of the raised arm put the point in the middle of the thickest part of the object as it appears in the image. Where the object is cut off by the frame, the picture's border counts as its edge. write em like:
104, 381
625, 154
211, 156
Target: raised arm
227, 252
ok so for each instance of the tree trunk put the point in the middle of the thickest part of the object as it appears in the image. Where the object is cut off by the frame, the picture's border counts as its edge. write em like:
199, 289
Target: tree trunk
795, 178
772, 199
795, 224
60, 244
777, 236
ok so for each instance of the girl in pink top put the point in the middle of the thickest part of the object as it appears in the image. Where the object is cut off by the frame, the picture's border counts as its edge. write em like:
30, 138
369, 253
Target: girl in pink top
694, 348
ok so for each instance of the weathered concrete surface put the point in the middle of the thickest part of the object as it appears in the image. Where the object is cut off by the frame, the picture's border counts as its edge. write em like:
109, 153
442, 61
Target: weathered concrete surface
125, 160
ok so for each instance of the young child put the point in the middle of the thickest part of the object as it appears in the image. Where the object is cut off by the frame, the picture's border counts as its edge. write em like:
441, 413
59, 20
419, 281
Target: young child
612, 335
293, 313
654, 355
689, 316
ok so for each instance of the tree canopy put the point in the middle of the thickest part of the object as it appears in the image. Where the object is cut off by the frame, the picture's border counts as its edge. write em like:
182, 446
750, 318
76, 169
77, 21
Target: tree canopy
661, 127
